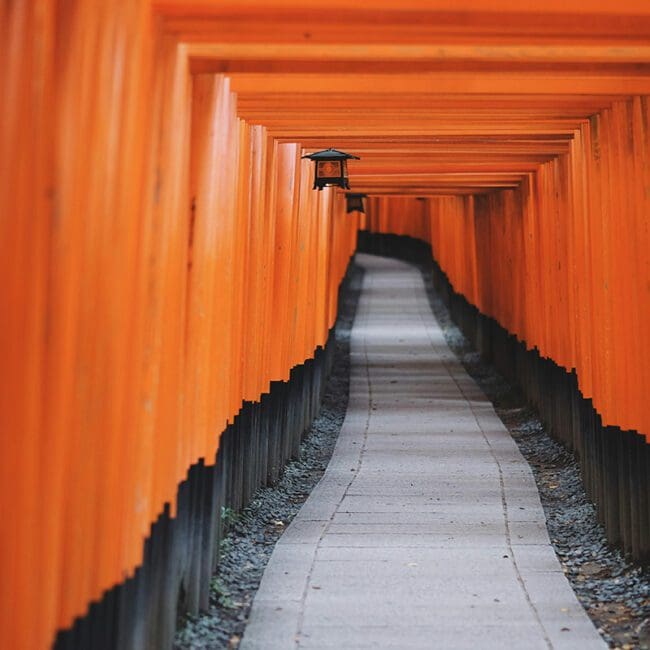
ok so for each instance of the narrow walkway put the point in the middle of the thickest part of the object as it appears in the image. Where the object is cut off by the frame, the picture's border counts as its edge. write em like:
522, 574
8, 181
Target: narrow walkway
426, 531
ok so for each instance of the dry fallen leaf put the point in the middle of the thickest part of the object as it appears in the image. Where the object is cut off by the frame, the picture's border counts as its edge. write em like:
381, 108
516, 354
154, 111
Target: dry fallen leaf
592, 569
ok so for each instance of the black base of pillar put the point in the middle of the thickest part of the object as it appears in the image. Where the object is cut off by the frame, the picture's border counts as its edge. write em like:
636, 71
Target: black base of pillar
181, 552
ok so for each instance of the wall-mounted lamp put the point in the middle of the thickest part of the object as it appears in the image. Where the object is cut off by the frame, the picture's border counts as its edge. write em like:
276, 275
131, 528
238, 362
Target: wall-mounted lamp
331, 168
354, 202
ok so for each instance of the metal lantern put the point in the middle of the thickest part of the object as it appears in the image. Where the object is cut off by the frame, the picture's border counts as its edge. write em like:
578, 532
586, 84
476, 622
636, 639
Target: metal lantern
354, 202
331, 168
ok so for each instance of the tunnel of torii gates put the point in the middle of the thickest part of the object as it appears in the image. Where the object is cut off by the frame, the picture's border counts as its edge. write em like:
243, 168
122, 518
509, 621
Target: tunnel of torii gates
170, 279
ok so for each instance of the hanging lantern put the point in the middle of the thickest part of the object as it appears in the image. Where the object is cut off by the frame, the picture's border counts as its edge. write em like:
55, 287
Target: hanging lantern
354, 202
331, 168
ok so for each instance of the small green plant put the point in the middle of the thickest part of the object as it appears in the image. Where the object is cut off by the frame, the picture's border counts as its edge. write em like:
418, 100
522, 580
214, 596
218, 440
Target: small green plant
221, 593
228, 516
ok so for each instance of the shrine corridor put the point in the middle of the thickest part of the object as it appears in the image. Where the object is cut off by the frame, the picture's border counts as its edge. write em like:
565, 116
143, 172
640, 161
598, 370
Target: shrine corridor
183, 187
426, 530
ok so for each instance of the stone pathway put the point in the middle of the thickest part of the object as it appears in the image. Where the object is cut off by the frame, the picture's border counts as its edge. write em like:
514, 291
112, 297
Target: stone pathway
426, 530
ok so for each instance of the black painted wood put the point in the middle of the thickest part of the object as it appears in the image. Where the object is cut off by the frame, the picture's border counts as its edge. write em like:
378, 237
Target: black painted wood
181, 553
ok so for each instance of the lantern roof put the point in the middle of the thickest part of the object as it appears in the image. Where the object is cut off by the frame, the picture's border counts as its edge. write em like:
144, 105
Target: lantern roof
331, 154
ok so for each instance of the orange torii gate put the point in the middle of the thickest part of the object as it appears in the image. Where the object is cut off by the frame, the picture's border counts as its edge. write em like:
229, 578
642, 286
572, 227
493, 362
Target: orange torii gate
164, 261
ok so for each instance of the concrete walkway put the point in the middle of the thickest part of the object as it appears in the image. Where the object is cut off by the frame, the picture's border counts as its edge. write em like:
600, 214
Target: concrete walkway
426, 530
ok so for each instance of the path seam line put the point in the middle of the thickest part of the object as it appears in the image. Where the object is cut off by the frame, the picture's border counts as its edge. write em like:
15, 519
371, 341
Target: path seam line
365, 313
504, 502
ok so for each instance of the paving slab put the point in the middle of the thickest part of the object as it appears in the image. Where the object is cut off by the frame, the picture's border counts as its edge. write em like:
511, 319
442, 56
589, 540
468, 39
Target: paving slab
426, 530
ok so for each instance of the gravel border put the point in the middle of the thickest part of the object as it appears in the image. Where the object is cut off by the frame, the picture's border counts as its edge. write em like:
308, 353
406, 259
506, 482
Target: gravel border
614, 592
252, 535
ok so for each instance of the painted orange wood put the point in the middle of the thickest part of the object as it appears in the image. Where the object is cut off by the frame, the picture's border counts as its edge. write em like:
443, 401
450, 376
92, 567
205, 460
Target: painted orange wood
560, 261
143, 295
163, 257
